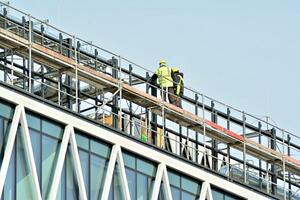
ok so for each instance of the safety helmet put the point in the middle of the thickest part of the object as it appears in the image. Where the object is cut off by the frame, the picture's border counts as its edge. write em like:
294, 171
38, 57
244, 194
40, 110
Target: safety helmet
175, 69
162, 62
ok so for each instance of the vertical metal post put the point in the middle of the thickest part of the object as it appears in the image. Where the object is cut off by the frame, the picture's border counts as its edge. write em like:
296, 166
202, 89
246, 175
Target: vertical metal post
196, 113
130, 103
204, 130
115, 98
284, 190
163, 125
96, 58
120, 93
289, 173
154, 118
59, 88
30, 56
267, 177
76, 49
273, 169
12, 67
259, 161
214, 142
228, 146
244, 149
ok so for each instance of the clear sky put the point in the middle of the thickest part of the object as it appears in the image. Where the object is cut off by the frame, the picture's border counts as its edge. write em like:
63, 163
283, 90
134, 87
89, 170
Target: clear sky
243, 53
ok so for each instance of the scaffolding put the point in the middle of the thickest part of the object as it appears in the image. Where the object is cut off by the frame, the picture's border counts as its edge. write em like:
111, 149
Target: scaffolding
105, 87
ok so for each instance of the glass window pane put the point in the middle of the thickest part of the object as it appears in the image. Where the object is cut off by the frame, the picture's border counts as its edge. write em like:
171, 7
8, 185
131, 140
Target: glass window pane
98, 171
217, 195
100, 149
24, 179
9, 192
72, 187
50, 148
118, 189
174, 179
84, 162
187, 196
33, 121
131, 179
129, 160
36, 145
1, 139
146, 167
82, 142
52, 128
141, 187
190, 185
175, 193
6, 110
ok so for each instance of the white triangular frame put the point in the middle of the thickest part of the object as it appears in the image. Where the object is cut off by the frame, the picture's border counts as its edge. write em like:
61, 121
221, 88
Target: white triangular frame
19, 117
161, 175
206, 193
68, 137
116, 156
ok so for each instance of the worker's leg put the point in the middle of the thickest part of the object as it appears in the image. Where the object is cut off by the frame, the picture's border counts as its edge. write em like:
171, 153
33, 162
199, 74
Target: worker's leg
163, 93
171, 95
179, 104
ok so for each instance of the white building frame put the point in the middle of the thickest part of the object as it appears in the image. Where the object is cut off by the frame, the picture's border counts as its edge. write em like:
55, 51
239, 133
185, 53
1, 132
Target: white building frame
119, 142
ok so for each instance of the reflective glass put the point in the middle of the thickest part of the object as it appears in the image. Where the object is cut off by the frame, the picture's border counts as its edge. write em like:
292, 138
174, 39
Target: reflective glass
190, 185
82, 142
118, 189
72, 188
217, 195
146, 167
50, 148
84, 162
33, 121
187, 196
131, 179
6, 110
36, 145
52, 128
174, 179
24, 179
9, 186
129, 160
1, 140
98, 171
142, 185
175, 193
100, 149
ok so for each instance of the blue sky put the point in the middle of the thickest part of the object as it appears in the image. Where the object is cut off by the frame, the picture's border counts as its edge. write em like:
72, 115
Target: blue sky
243, 53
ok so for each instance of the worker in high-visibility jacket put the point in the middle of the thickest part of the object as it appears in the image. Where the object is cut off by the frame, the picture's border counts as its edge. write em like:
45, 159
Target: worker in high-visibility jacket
177, 78
164, 78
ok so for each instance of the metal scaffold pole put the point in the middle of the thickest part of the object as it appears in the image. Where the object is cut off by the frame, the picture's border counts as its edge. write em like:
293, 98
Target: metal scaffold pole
244, 148
30, 58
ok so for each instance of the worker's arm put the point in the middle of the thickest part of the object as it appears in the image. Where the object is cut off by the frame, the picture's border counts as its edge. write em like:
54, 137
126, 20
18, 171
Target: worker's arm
153, 79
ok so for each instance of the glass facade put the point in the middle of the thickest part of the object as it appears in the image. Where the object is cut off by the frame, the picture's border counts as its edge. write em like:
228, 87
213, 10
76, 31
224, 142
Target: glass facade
46, 137
183, 187
218, 194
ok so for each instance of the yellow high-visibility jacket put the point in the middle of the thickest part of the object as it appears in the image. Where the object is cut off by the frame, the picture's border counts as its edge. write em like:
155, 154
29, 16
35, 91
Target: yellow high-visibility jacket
164, 76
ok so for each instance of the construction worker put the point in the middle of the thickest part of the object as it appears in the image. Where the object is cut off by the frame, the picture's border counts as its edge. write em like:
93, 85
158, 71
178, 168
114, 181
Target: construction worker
163, 74
177, 78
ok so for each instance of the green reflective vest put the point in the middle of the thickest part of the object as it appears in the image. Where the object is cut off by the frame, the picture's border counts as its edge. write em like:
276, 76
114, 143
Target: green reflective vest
164, 77
179, 85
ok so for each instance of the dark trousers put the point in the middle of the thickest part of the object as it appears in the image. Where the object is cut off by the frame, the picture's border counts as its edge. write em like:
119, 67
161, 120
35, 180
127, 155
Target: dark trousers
171, 95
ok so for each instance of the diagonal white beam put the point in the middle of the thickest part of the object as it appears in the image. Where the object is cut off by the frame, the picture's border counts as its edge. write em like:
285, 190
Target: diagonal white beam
123, 176
109, 173
166, 184
205, 193
9, 146
30, 156
158, 179
60, 163
77, 165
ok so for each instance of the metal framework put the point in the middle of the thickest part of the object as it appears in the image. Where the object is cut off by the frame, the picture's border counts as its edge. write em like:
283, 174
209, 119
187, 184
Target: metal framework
114, 91
119, 142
